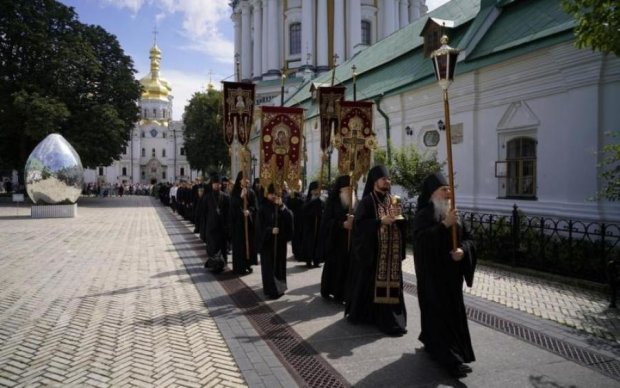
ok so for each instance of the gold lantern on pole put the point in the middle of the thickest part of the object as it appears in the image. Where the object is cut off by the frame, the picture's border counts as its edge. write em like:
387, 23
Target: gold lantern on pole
444, 63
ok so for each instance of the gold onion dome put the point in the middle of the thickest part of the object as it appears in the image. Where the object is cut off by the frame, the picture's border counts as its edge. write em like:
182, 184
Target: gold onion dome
155, 87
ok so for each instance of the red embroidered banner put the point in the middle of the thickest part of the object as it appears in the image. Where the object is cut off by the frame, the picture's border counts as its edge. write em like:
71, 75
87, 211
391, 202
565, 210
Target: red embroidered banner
238, 111
280, 152
328, 112
355, 139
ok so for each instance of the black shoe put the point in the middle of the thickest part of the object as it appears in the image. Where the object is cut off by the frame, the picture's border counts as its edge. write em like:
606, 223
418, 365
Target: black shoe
456, 371
249, 270
465, 368
398, 332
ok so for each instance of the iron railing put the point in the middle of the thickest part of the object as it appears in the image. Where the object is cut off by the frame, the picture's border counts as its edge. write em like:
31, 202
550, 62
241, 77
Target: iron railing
562, 246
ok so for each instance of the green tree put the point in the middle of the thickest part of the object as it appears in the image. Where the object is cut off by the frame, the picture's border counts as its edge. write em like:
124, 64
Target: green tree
610, 170
59, 75
409, 167
598, 24
204, 140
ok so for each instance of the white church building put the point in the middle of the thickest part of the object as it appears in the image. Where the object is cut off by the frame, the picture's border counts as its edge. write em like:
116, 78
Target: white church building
155, 152
529, 111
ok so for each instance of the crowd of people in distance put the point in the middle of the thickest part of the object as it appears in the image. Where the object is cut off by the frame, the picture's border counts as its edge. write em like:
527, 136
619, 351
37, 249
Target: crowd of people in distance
360, 244
116, 190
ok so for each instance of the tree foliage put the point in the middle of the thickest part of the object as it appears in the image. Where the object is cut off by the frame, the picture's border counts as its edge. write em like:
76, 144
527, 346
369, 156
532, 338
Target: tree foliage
58, 75
598, 24
610, 170
204, 140
409, 167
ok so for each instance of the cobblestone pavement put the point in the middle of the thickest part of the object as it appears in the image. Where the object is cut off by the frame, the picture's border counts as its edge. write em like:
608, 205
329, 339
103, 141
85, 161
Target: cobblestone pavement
117, 295
572, 306
103, 300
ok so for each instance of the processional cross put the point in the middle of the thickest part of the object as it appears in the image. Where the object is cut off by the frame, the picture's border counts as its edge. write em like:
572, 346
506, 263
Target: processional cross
353, 141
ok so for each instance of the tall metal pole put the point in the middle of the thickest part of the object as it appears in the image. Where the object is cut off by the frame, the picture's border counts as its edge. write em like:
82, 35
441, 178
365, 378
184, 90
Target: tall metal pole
446, 107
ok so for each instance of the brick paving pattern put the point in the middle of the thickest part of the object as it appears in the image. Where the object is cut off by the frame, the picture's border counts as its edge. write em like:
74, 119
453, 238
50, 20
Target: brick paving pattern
118, 312
572, 306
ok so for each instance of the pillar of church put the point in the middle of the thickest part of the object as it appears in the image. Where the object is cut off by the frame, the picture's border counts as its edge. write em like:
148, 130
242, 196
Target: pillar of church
355, 27
389, 11
414, 10
307, 33
236, 18
339, 32
273, 44
246, 42
264, 37
404, 13
321, 36
257, 59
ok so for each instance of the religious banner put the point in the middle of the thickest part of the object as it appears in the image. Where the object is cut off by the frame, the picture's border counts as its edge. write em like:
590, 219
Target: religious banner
238, 111
355, 138
280, 151
328, 112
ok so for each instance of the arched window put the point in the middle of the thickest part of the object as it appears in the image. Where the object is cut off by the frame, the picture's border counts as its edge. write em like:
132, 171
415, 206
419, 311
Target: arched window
163, 152
182, 171
366, 32
521, 167
124, 171
294, 36
143, 152
153, 152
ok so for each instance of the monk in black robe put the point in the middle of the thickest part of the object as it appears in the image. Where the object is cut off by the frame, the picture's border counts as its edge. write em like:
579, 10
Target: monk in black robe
273, 231
295, 203
311, 213
378, 248
243, 208
336, 227
198, 192
440, 271
216, 225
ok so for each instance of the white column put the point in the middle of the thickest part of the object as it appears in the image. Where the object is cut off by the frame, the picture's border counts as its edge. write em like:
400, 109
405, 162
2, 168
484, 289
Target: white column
273, 45
414, 10
307, 32
404, 13
355, 27
388, 17
237, 21
257, 35
322, 60
339, 32
265, 39
246, 42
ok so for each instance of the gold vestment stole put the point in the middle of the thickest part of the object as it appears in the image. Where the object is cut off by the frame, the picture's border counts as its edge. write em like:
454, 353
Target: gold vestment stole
389, 268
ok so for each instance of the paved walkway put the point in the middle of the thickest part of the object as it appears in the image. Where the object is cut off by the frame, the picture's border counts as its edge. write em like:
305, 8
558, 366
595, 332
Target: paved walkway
118, 297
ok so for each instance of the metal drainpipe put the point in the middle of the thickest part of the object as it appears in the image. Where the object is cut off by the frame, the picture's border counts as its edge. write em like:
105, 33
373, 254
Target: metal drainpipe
387, 128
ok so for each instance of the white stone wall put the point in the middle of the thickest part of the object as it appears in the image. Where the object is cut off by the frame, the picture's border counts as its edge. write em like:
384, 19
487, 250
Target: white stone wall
564, 98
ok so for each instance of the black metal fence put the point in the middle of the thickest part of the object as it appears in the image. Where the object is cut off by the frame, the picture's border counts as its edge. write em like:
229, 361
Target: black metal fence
561, 246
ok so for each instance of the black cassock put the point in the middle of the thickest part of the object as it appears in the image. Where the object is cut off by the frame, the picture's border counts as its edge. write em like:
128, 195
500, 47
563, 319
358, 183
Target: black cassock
216, 229
334, 279
445, 333
295, 202
311, 213
240, 261
198, 191
372, 299
272, 247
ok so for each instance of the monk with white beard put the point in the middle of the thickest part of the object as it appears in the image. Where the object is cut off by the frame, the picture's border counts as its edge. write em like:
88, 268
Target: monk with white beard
336, 229
440, 271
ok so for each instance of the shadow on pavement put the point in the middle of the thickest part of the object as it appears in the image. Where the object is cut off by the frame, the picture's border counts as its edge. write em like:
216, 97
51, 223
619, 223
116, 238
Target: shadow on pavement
411, 370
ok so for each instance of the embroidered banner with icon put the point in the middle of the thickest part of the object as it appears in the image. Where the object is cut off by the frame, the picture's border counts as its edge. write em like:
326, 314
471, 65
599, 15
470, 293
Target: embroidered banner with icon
328, 98
238, 111
355, 138
280, 152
